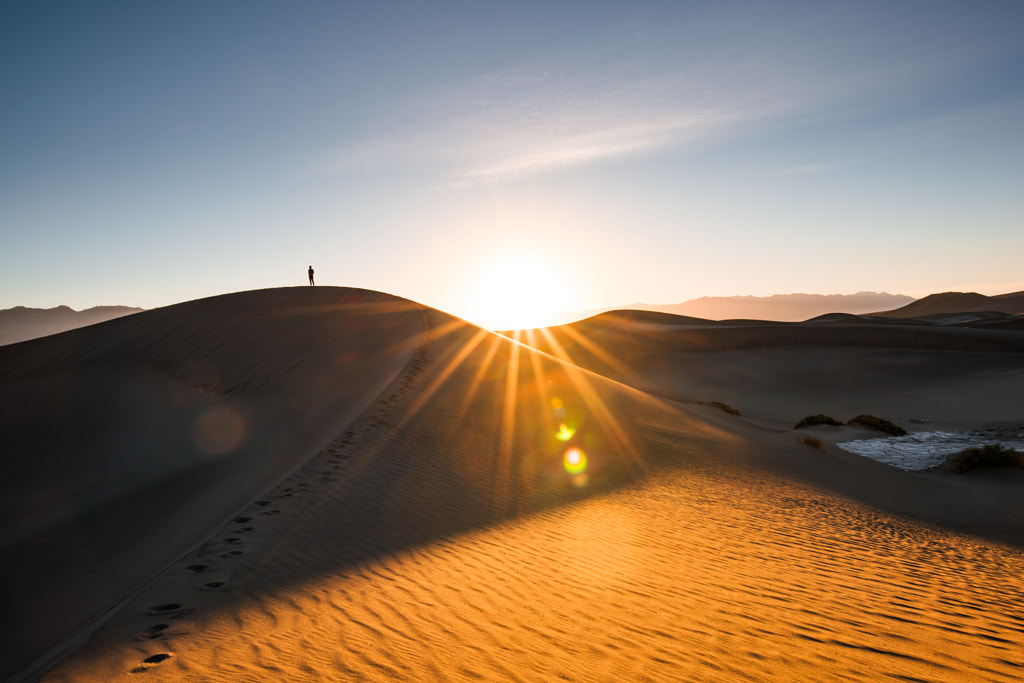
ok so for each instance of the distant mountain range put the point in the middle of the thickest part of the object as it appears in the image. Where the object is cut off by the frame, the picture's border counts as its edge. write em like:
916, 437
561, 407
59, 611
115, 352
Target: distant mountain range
779, 307
21, 324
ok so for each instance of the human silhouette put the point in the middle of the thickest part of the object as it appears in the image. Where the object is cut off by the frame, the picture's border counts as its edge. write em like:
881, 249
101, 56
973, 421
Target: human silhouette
310, 271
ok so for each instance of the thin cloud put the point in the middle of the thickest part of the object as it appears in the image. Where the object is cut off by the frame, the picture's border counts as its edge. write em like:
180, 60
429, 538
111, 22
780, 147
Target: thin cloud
601, 100
552, 151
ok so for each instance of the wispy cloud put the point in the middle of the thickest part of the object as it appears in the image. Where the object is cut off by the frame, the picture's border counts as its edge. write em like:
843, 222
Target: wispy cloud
634, 93
542, 150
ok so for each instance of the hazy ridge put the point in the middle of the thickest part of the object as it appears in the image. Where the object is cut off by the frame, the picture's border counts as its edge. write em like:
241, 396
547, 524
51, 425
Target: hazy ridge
780, 307
21, 324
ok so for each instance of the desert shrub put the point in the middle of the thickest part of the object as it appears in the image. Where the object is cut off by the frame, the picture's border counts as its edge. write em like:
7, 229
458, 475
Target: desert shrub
814, 442
818, 419
878, 424
992, 455
722, 406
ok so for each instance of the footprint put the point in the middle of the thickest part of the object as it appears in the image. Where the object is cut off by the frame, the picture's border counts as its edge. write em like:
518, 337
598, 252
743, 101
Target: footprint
233, 540
197, 568
213, 585
245, 529
149, 662
262, 503
243, 520
154, 632
171, 610
233, 553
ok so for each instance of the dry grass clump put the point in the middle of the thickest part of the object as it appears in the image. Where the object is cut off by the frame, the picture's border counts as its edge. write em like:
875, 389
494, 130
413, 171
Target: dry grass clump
818, 419
813, 441
992, 455
723, 406
878, 424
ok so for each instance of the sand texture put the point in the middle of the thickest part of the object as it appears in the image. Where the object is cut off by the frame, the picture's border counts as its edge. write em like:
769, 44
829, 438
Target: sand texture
439, 525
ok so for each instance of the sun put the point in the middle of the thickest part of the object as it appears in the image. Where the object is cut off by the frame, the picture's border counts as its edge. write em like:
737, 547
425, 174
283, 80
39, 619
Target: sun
520, 292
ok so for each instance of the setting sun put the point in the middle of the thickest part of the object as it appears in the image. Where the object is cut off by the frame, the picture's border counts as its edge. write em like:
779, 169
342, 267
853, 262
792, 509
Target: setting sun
520, 292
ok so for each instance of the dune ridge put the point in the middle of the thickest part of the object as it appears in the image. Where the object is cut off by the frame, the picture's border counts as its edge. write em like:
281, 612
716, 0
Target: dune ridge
445, 534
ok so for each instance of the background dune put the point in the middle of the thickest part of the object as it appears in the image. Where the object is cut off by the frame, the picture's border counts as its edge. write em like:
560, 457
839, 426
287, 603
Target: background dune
786, 307
447, 533
960, 302
779, 372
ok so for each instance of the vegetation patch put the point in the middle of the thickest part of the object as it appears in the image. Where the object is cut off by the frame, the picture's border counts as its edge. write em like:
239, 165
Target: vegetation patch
721, 406
818, 419
992, 455
813, 441
878, 424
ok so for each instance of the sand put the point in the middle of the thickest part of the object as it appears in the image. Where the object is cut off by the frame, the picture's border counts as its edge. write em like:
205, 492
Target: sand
437, 528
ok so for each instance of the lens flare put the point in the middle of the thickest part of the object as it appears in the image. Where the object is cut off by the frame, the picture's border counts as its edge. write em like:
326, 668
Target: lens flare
219, 430
565, 432
575, 461
558, 407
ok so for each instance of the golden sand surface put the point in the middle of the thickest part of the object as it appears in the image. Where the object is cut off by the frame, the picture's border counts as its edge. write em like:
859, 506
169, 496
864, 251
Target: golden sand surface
684, 577
449, 533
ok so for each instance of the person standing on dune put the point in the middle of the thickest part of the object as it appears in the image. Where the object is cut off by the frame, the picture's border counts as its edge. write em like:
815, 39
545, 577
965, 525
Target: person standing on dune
310, 271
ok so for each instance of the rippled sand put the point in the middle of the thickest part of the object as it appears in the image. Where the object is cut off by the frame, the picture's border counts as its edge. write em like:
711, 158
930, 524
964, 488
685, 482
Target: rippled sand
685, 577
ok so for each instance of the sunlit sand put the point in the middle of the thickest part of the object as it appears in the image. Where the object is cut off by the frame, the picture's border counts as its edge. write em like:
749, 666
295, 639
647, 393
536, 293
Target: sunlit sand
389, 493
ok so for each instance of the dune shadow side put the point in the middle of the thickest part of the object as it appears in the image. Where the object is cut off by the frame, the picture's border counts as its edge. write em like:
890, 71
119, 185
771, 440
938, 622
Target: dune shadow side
128, 442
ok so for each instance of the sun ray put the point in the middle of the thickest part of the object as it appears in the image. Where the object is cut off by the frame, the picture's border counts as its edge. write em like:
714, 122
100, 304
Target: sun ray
542, 388
604, 356
450, 367
507, 434
596, 405
478, 378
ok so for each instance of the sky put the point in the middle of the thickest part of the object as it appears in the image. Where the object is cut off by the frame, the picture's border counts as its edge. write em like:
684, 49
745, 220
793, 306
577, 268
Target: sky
473, 156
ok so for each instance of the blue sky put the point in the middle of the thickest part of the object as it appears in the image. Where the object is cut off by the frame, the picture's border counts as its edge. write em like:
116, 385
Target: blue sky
653, 152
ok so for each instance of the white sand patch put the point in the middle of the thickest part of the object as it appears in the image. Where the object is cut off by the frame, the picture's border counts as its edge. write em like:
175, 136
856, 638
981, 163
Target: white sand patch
924, 450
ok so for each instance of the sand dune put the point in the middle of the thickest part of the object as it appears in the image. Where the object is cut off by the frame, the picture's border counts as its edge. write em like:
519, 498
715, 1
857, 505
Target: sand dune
779, 372
791, 307
129, 441
959, 302
446, 529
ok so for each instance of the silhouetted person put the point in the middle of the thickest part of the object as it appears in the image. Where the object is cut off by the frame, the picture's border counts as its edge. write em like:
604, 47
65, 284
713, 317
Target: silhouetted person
310, 271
